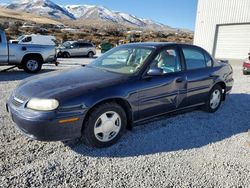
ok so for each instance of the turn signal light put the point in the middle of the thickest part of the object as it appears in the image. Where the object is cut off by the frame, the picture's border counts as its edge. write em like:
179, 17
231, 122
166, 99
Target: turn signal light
68, 120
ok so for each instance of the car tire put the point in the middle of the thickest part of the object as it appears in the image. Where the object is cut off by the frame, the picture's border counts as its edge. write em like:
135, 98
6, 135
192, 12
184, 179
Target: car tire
245, 72
105, 125
214, 99
91, 54
66, 55
32, 64
59, 54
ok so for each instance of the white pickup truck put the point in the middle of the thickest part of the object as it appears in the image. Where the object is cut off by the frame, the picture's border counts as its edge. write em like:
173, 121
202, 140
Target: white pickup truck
29, 57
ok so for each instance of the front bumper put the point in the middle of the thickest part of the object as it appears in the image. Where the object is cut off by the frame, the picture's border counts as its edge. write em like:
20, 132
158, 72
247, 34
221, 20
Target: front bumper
45, 126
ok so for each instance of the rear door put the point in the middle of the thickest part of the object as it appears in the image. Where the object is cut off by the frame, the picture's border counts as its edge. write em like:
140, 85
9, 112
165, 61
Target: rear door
199, 74
83, 50
161, 94
3, 51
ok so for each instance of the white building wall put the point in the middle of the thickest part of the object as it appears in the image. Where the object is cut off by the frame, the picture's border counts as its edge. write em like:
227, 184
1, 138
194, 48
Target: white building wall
211, 13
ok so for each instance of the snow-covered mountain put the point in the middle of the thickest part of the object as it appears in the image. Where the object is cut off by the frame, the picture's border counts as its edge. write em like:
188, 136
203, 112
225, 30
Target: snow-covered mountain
82, 13
41, 7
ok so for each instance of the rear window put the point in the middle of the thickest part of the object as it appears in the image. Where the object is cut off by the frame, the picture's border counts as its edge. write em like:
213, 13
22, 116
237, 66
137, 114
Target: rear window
85, 45
194, 59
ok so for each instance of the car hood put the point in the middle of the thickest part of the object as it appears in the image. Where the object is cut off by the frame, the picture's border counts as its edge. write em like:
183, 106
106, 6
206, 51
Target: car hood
70, 83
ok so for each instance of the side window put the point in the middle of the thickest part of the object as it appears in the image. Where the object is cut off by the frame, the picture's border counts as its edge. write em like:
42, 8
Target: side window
194, 58
82, 45
168, 60
75, 45
90, 45
27, 39
209, 61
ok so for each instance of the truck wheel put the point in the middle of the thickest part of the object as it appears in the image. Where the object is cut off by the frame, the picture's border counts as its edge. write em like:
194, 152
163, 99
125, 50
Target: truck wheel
90, 54
32, 64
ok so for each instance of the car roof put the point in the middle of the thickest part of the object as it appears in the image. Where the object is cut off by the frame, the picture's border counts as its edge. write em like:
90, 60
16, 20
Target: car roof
154, 44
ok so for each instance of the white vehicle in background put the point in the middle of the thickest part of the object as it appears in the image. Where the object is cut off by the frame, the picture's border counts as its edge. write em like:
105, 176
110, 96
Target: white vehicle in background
35, 39
76, 48
29, 57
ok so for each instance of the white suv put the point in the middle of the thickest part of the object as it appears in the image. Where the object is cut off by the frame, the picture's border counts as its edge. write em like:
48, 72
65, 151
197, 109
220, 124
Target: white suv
77, 49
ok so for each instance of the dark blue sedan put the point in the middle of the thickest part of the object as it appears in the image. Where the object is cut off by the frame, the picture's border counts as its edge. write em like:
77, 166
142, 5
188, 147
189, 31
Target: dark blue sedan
128, 84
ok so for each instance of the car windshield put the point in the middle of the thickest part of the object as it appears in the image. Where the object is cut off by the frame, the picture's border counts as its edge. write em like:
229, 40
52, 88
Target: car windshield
127, 60
67, 44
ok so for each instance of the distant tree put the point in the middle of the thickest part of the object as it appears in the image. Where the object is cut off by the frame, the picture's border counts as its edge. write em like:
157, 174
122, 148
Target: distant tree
4, 25
13, 29
64, 37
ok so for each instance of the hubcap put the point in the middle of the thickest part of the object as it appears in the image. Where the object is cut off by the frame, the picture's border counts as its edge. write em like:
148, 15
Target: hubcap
32, 65
107, 126
215, 99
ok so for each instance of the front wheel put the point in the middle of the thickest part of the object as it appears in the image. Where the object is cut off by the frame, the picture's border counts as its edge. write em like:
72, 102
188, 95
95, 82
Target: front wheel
32, 64
66, 55
105, 125
214, 100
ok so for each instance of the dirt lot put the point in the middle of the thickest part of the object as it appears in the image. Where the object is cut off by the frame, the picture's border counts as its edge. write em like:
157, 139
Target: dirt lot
188, 150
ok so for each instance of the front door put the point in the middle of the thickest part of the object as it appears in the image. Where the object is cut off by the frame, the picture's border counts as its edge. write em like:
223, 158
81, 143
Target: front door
74, 49
164, 93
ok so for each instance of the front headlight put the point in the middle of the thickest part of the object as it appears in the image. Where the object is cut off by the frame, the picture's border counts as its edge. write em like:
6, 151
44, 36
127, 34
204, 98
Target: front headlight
43, 104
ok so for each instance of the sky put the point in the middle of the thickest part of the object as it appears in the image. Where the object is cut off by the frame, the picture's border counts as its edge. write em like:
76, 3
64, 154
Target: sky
175, 13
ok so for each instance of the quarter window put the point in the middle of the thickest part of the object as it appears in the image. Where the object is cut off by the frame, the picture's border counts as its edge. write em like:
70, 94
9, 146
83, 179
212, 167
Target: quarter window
194, 59
209, 61
168, 60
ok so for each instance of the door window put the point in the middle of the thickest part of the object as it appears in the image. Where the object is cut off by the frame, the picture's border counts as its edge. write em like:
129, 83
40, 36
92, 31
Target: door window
27, 39
194, 59
168, 60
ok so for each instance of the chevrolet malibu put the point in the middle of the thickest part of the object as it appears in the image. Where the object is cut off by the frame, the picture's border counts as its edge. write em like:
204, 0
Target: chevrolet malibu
129, 84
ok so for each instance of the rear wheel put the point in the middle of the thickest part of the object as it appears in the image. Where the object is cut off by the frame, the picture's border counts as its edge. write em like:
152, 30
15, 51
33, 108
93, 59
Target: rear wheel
105, 125
90, 54
245, 72
214, 100
32, 64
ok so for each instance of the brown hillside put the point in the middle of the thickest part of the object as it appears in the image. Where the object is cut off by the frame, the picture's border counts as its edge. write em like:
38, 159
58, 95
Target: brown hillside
26, 17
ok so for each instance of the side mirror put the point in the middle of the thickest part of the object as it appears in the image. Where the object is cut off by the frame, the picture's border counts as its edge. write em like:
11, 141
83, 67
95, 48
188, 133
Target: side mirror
155, 71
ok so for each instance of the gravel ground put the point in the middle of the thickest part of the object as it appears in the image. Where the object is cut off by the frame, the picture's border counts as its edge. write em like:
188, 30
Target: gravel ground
194, 149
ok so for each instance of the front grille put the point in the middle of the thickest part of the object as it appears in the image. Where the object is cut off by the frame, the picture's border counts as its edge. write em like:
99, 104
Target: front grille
18, 100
